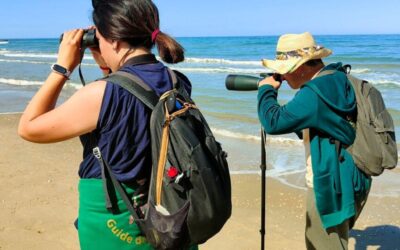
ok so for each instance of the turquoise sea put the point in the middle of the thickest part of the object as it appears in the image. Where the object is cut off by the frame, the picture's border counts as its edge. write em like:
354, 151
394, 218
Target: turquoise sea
25, 63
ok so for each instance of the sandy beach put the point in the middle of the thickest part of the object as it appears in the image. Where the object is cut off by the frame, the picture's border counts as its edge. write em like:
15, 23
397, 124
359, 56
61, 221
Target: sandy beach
38, 204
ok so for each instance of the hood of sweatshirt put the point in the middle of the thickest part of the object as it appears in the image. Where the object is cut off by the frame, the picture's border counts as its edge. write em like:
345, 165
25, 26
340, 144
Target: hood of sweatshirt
334, 89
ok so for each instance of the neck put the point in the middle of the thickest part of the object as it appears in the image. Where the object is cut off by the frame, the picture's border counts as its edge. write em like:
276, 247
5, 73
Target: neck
311, 72
128, 53
132, 53
318, 68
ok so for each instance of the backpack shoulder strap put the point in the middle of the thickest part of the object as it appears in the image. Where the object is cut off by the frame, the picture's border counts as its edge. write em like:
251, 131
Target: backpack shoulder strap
346, 68
320, 74
135, 86
177, 81
361, 87
110, 183
325, 73
355, 82
174, 78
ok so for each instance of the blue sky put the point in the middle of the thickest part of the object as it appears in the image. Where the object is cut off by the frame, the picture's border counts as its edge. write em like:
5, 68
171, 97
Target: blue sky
49, 18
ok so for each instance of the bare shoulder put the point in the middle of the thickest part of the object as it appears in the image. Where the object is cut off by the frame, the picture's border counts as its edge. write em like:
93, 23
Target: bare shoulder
93, 87
92, 91
87, 99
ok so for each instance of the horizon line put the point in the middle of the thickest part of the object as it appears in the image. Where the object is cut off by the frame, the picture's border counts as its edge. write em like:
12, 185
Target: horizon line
228, 36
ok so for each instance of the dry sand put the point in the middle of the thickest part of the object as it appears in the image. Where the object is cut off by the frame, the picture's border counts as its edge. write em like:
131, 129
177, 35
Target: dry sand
38, 204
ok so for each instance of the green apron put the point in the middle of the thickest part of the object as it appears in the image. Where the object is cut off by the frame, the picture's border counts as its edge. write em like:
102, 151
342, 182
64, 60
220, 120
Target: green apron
98, 228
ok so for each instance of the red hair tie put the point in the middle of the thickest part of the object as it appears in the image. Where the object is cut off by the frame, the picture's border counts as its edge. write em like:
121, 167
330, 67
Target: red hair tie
154, 35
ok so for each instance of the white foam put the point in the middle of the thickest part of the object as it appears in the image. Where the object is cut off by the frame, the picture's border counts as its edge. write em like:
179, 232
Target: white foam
221, 61
37, 55
19, 82
73, 85
285, 182
283, 140
378, 77
236, 135
221, 70
10, 113
183, 69
239, 172
285, 172
30, 55
41, 62
385, 81
360, 71
23, 61
271, 174
90, 64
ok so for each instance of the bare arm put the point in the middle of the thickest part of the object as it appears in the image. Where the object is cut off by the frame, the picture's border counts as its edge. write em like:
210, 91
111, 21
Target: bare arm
77, 116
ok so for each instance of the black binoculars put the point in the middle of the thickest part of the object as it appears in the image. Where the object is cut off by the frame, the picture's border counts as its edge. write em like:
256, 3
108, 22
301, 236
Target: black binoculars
89, 39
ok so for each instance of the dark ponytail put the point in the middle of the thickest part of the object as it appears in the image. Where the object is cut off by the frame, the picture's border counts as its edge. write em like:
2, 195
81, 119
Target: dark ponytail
134, 22
169, 49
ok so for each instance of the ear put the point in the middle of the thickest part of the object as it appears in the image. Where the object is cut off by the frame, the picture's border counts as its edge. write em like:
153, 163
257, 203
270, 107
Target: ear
115, 45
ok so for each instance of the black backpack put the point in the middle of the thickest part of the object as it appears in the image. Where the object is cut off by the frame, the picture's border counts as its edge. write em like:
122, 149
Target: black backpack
374, 148
189, 198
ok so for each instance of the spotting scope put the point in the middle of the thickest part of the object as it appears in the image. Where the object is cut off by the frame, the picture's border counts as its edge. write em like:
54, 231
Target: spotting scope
246, 82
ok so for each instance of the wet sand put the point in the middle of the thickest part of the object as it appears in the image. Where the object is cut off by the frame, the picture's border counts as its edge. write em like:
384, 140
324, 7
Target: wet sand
38, 204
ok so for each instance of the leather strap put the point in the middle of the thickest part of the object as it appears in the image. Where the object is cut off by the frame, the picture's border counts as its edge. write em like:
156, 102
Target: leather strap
162, 159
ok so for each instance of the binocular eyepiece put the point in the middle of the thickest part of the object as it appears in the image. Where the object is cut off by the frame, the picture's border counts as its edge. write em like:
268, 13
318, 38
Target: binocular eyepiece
89, 39
247, 83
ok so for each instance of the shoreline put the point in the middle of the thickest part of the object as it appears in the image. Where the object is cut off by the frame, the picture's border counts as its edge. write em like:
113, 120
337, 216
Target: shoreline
387, 182
39, 203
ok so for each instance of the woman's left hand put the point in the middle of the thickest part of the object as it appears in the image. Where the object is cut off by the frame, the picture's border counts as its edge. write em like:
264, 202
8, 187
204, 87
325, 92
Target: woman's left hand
69, 53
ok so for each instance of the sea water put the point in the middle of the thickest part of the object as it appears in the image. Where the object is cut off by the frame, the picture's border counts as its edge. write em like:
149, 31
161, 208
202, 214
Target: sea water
232, 115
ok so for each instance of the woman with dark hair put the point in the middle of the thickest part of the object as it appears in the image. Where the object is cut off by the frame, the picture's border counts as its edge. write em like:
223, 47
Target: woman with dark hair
127, 31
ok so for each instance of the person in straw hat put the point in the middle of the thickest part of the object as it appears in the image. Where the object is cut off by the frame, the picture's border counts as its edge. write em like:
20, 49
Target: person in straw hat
337, 189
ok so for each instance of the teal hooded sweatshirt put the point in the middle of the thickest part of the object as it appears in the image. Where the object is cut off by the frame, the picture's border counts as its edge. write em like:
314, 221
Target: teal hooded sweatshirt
323, 109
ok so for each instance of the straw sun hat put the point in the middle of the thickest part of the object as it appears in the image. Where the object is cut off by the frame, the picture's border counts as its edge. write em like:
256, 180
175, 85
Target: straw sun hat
293, 50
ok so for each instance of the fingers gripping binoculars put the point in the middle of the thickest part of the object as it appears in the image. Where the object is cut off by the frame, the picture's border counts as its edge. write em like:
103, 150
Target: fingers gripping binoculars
89, 40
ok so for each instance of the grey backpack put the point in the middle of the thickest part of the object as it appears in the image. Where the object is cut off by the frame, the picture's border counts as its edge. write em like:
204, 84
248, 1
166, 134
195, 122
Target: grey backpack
374, 148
